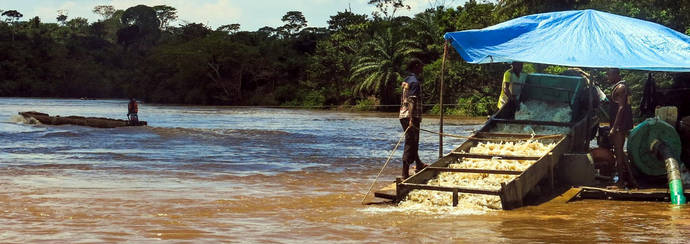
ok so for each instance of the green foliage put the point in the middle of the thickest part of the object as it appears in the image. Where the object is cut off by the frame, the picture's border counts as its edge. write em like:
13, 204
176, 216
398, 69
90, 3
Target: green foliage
12, 15
309, 99
61, 18
165, 15
105, 11
294, 22
230, 29
141, 27
388, 7
343, 20
470, 106
356, 60
555, 69
381, 71
366, 104
476, 105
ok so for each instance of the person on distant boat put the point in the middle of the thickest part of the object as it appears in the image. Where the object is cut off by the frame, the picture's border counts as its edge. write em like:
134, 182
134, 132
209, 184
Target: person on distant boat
620, 113
133, 111
411, 117
512, 75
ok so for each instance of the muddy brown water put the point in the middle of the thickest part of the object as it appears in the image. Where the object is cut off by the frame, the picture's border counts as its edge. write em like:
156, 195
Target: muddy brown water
214, 174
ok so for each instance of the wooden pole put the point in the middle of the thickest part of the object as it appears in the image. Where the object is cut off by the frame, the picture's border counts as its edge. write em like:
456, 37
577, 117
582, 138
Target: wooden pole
440, 124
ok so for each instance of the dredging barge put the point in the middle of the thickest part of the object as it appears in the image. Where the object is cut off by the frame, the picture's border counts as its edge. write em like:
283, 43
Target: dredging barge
46, 119
569, 162
653, 147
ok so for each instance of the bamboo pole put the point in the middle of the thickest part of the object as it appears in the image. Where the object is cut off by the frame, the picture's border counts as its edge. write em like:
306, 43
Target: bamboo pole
443, 70
402, 136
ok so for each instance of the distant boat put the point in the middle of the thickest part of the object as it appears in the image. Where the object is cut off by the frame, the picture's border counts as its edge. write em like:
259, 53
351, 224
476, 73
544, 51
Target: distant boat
78, 120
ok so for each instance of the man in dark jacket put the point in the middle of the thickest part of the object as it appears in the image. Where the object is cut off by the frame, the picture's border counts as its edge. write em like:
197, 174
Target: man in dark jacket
411, 117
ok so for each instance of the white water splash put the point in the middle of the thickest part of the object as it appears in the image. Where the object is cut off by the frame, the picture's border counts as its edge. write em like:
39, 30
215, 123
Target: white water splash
430, 210
23, 120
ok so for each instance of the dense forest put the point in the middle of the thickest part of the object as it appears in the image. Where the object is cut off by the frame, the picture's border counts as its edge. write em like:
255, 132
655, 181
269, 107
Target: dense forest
358, 60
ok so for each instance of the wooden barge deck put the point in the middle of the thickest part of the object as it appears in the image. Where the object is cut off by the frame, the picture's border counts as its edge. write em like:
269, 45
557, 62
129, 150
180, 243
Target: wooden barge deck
578, 193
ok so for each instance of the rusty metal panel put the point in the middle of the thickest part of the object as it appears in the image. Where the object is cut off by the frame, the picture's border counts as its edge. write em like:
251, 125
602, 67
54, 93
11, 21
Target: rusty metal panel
514, 192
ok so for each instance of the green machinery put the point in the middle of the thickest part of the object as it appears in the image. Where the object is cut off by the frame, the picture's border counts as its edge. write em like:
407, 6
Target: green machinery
654, 147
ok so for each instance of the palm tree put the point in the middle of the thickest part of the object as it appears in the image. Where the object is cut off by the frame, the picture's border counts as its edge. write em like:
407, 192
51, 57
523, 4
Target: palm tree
429, 30
382, 69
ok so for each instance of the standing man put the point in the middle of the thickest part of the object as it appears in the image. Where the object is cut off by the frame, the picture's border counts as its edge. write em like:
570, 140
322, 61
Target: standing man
410, 117
512, 75
132, 111
620, 113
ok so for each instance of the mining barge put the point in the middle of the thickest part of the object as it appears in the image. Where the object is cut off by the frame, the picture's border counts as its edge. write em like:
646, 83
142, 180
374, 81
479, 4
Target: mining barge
568, 161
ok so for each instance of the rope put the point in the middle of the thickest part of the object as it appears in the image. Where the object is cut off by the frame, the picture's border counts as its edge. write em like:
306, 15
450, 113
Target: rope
384, 165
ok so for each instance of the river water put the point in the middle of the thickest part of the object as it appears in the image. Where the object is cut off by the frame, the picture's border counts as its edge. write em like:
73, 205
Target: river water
219, 174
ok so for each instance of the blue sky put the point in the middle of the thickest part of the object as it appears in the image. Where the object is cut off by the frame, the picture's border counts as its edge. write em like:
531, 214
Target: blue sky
251, 14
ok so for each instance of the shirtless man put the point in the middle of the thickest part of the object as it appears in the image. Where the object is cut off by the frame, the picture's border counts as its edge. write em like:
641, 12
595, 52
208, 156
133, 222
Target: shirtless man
620, 113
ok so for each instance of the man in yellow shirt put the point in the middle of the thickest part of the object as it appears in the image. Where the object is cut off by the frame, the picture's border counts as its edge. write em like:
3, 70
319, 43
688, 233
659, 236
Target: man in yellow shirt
514, 75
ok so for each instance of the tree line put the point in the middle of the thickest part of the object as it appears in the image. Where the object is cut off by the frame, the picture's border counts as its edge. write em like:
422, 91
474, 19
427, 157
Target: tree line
358, 60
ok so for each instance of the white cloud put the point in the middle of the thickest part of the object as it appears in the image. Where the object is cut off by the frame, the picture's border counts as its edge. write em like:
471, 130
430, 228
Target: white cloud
124, 4
213, 13
48, 12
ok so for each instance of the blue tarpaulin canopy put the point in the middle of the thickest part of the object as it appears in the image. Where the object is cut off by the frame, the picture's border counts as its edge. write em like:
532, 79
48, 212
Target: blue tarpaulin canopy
582, 38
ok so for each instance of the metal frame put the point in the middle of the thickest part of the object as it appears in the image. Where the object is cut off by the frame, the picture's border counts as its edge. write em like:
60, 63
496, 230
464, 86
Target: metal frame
511, 194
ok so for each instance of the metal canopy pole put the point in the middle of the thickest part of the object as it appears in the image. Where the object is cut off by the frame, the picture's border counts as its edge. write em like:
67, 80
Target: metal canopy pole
443, 69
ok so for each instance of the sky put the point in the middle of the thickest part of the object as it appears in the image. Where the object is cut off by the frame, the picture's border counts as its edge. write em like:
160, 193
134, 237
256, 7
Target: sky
250, 14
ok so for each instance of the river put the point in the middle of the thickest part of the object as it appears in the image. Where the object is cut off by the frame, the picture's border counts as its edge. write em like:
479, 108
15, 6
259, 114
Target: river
224, 174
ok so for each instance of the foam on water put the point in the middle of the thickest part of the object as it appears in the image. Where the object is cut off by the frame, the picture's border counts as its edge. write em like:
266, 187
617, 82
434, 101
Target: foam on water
18, 127
428, 199
414, 209
23, 120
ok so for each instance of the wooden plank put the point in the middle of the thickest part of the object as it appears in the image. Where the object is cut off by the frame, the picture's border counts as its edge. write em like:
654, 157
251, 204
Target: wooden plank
424, 175
484, 156
387, 192
566, 197
486, 171
451, 189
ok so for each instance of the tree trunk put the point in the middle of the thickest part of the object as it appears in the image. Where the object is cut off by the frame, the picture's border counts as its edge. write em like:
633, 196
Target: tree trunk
217, 78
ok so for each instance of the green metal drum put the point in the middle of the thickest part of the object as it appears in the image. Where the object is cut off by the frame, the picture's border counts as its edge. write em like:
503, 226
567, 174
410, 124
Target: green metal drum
639, 145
